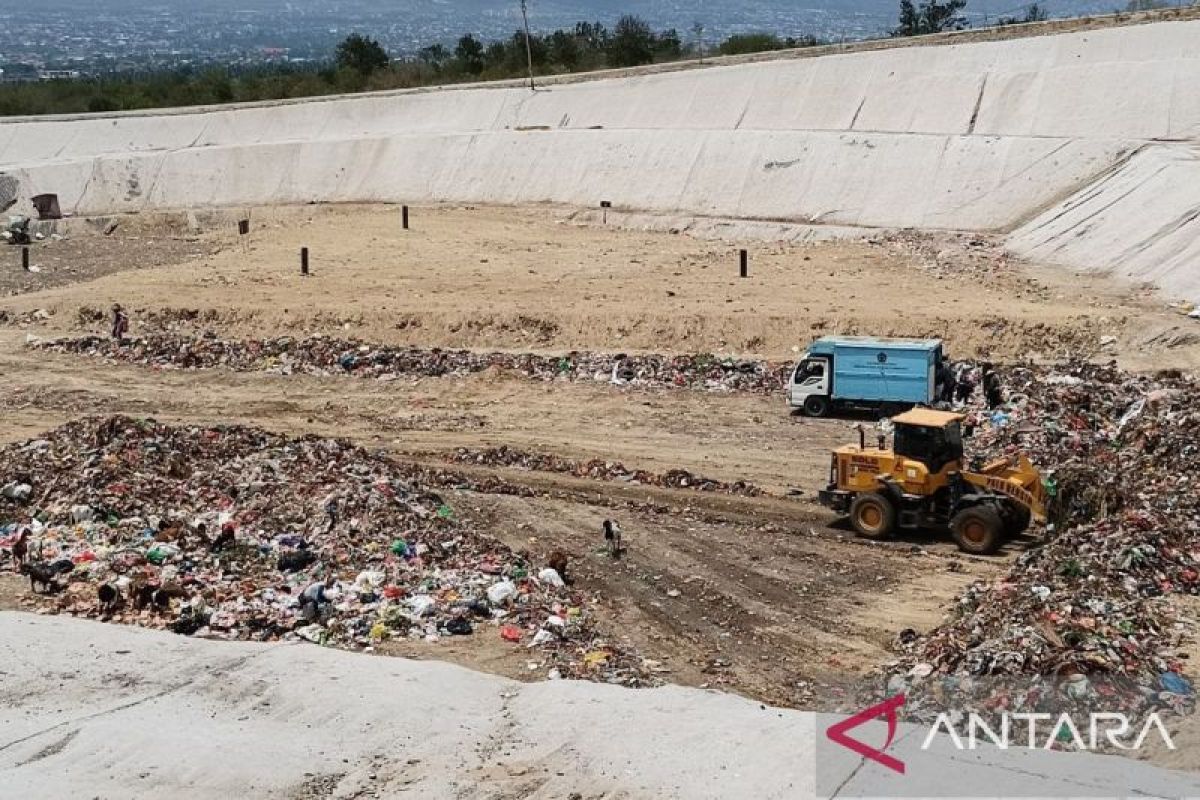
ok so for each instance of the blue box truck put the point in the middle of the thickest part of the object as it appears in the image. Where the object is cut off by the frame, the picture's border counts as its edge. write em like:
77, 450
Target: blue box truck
864, 373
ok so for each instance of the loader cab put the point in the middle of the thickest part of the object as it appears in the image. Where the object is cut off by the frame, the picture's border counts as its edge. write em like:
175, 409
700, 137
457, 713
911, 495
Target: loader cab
933, 438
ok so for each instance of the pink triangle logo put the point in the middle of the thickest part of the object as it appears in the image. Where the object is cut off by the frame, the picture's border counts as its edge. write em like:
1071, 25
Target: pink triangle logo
888, 709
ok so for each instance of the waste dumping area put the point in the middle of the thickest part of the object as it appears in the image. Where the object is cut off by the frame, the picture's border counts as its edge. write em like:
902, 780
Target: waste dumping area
1091, 609
324, 356
523, 420
217, 532
599, 469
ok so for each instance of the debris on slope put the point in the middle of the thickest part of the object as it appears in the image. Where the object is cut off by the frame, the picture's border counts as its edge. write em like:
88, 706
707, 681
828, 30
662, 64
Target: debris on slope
1089, 610
216, 531
319, 355
598, 469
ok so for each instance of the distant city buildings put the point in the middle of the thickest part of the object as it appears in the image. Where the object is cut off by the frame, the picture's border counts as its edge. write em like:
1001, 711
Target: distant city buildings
129, 36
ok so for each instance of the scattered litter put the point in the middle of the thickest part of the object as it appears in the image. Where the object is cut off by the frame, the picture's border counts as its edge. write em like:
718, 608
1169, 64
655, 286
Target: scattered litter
320, 355
598, 469
191, 525
1121, 459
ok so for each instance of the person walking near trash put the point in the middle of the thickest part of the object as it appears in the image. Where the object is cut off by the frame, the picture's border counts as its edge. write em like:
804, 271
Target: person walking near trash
316, 601
991, 387
330, 506
949, 382
612, 536
965, 386
120, 323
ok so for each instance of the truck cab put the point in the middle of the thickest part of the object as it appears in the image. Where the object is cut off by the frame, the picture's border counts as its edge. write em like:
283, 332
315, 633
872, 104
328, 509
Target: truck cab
810, 379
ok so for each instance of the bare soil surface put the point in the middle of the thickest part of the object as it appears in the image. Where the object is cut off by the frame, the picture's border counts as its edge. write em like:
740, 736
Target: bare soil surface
78, 250
765, 596
526, 278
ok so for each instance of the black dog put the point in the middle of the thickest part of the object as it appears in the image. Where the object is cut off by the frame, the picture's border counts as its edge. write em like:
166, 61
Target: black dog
46, 574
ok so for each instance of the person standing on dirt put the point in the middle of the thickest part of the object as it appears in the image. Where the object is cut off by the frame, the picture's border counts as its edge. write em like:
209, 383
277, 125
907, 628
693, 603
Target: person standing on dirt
612, 536
120, 323
948, 381
991, 387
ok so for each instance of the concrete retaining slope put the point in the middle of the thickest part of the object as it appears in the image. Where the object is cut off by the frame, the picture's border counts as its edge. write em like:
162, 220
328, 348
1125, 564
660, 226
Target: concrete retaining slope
1140, 222
975, 136
93, 710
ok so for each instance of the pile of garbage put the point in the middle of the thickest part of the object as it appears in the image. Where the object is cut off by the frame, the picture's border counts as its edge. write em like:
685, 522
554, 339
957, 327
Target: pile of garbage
598, 469
219, 532
321, 355
1091, 608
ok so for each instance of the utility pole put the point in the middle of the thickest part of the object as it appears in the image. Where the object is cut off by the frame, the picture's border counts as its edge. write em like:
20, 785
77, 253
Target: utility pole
698, 29
528, 49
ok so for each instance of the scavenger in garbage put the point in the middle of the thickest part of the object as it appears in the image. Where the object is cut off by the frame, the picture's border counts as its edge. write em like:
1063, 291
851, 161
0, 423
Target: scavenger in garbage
316, 602
330, 506
965, 385
991, 387
947, 380
227, 537
612, 536
120, 322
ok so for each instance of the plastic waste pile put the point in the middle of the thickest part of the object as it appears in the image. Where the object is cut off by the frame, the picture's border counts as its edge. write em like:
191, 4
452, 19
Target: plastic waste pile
1091, 608
598, 469
216, 531
319, 355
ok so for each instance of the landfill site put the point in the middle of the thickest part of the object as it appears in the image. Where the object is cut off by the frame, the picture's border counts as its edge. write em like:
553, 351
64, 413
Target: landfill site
614, 439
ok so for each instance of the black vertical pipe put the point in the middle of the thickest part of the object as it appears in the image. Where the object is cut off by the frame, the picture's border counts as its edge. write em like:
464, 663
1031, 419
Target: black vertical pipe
303, 260
404, 217
25, 258
744, 258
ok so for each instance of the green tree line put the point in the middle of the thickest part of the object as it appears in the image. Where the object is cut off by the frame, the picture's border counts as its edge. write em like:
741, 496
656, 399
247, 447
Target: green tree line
361, 64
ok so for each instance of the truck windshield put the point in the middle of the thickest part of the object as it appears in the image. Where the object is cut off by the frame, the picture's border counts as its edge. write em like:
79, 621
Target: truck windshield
933, 447
809, 369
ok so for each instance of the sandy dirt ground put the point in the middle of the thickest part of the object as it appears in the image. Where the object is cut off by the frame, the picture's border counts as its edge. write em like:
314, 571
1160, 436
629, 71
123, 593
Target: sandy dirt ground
763, 596
528, 278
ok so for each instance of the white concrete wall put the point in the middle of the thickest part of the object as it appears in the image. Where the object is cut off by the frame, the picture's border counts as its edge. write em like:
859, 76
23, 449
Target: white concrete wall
1139, 222
853, 179
95, 710
975, 136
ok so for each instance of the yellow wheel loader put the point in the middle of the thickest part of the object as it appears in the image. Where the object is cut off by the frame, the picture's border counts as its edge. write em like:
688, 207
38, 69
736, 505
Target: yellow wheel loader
920, 483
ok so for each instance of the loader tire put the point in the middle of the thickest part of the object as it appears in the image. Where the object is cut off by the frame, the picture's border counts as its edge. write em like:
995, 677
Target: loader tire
1016, 519
873, 516
816, 406
978, 530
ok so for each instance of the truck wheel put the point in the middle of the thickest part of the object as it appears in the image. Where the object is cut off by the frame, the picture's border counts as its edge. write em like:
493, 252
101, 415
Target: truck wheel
873, 516
816, 406
1016, 519
978, 530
